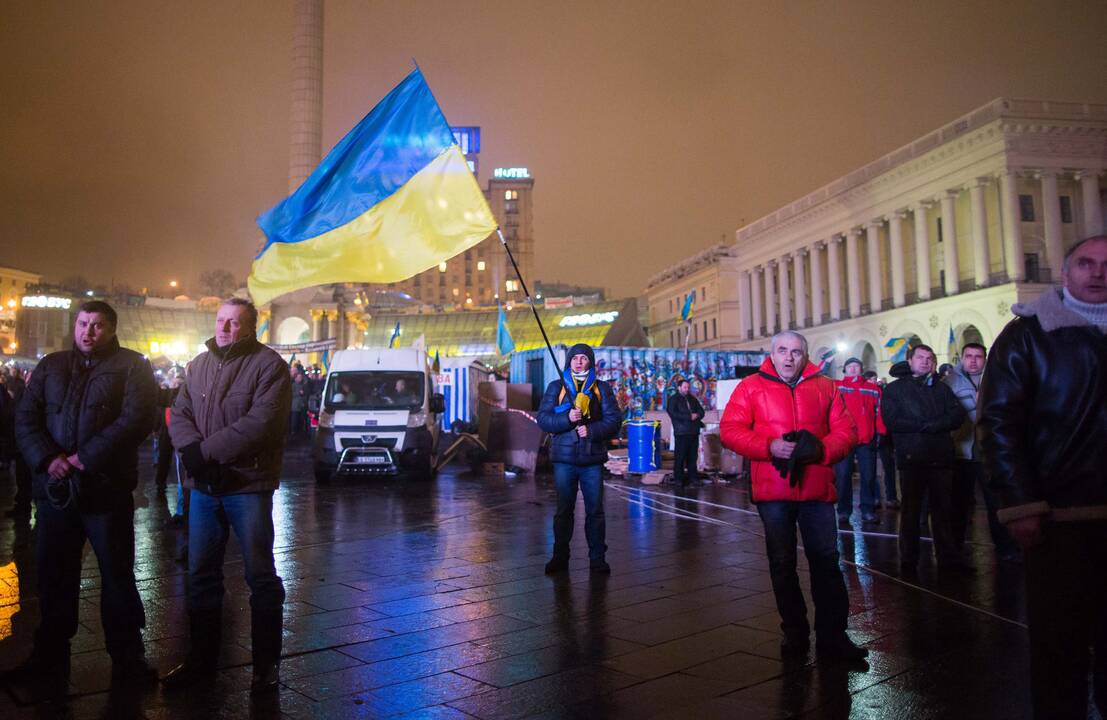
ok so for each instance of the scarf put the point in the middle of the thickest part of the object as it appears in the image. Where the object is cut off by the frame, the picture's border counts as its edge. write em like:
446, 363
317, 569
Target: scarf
577, 393
1093, 313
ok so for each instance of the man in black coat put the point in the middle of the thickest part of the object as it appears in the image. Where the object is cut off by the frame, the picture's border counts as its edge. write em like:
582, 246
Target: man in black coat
921, 411
686, 414
581, 414
1042, 418
78, 426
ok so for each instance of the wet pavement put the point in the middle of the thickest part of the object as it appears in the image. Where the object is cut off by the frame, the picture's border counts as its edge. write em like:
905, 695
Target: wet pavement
428, 600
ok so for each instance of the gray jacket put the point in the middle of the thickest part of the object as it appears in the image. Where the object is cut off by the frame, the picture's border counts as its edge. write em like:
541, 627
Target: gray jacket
964, 437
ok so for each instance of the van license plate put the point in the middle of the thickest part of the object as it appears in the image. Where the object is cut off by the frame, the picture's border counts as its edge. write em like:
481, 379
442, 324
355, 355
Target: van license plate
370, 459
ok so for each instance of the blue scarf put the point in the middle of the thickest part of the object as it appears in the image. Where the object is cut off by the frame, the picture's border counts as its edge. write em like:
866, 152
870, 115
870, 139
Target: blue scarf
569, 385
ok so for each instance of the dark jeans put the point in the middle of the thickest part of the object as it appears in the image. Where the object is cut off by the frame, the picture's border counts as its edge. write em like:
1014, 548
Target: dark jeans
843, 480
888, 464
297, 422
210, 519
1066, 604
590, 480
165, 458
936, 484
819, 529
61, 538
22, 484
686, 455
967, 476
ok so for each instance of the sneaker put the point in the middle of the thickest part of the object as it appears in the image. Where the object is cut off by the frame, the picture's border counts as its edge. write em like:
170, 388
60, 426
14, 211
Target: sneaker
557, 565
839, 646
599, 567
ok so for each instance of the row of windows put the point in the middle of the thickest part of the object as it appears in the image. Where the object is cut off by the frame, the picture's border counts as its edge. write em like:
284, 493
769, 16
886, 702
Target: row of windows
1026, 208
676, 338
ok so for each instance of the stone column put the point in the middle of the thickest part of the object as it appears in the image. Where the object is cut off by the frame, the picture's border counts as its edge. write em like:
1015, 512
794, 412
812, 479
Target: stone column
799, 286
895, 258
305, 147
872, 249
1093, 209
783, 292
351, 330
745, 314
1051, 219
316, 325
816, 284
922, 250
981, 263
949, 242
770, 300
1012, 225
853, 273
834, 275
755, 301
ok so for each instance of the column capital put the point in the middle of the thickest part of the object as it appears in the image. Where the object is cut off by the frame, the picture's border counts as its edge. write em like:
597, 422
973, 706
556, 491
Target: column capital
875, 222
352, 315
982, 181
1086, 172
853, 232
332, 315
951, 194
317, 314
818, 245
1045, 173
923, 205
800, 252
895, 215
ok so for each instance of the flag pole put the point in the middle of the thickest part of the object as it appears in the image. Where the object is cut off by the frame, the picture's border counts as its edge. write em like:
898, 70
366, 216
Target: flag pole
533, 309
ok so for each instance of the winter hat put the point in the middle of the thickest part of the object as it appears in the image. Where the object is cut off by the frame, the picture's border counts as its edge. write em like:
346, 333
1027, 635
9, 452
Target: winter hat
852, 360
581, 349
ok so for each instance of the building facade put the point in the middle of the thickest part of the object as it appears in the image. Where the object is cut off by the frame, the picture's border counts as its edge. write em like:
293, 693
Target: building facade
713, 276
931, 243
13, 287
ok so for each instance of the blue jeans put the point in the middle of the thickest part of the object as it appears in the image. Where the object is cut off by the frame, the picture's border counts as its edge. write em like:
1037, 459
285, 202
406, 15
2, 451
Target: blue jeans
61, 538
210, 519
843, 480
819, 529
590, 480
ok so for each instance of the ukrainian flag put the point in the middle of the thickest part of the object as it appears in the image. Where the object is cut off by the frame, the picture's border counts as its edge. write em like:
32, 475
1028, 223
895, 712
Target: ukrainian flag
393, 198
689, 308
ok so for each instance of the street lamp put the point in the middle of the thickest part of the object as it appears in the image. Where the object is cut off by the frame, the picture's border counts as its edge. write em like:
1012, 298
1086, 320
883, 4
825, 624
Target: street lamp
841, 346
173, 284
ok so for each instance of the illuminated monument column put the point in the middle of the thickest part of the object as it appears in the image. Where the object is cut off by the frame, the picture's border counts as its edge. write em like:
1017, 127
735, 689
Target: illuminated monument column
305, 149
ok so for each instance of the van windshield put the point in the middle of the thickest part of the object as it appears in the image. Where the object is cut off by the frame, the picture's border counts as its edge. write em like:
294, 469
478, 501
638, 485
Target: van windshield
375, 390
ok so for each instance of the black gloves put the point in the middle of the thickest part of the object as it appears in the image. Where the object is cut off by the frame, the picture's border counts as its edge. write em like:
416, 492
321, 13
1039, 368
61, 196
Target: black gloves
193, 460
809, 449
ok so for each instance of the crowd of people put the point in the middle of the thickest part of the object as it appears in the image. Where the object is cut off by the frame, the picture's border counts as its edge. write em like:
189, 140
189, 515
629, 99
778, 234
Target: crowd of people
1023, 426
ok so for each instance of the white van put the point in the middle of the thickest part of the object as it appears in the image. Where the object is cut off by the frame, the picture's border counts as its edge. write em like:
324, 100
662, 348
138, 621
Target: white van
377, 415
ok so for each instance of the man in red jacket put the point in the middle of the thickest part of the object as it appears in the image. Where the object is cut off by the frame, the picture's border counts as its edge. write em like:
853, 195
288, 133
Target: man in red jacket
862, 400
793, 425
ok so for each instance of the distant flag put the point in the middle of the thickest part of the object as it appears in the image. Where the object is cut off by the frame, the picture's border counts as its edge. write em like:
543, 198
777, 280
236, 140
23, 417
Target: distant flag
436, 366
951, 349
897, 346
392, 199
326, 360
504, 343
263, 328
689, 308
395, 339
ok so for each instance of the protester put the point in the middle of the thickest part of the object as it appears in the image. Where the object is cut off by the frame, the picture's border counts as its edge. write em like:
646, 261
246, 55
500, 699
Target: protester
79, 425
862, 399
792, 424
581, 414
229, 423
686, 414
921, 411
968, 470
15, 384
301, 391
885, 451
1042, 427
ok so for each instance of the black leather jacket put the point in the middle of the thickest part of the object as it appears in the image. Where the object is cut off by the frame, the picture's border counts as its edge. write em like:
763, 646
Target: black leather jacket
1042, 415
680, 409
921, 412
100, 407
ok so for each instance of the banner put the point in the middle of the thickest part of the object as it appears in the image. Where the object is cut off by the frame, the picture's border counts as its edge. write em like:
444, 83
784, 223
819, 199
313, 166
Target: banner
305, 347
553, 303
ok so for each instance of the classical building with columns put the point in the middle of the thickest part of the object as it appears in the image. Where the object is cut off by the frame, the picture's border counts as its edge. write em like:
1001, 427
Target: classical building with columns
937, 238
713, 276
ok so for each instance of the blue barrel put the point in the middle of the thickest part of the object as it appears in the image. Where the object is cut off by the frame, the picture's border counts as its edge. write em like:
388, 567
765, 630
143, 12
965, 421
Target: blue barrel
643, 445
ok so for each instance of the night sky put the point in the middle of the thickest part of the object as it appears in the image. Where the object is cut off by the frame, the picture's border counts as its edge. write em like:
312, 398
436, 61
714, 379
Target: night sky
139, 139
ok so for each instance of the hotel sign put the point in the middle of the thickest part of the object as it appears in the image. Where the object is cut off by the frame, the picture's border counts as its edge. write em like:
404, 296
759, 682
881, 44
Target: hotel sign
515, 173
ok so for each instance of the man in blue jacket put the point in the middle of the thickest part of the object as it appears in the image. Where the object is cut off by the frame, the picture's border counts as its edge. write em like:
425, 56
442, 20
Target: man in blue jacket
581, 414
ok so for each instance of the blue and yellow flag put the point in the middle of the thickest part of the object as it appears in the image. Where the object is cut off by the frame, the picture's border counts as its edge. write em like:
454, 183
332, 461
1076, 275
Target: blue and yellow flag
395, 339
898, 347
392, 199
504, 342
689, 308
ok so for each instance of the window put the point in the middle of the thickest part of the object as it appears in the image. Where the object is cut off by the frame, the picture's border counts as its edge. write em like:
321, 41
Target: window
695, 334
480, 265
671, 343
456, 292
442, 267
703, 298
511, 285
939, 229
511, 207
1026, 208
511, 194
1030, 266
714, 329
704, 329
670, 306
1066, 209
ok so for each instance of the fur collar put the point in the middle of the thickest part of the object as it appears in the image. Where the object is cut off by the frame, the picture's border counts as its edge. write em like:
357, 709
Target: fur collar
1051, 312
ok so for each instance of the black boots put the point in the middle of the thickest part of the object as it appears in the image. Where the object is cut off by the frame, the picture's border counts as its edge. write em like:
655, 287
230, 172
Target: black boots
266, 625
205, 634
839, 646
557, 565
